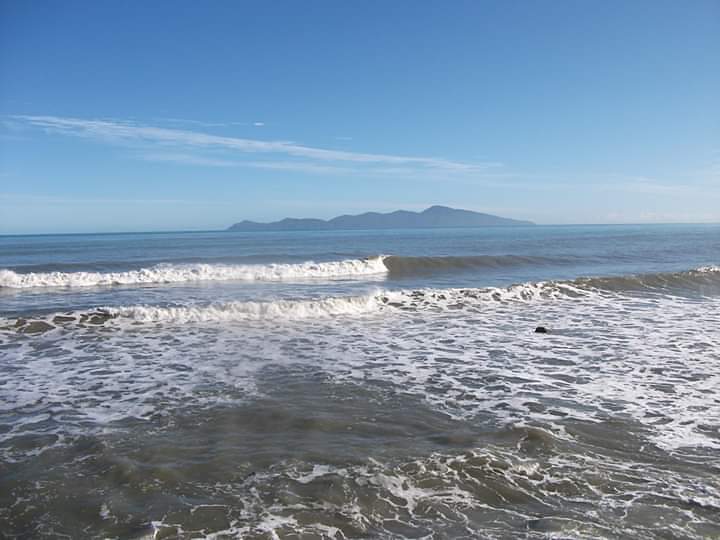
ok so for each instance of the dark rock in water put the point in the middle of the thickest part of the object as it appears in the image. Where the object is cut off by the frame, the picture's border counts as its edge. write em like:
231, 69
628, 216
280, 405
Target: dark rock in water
36, 327
58, 319
541, 330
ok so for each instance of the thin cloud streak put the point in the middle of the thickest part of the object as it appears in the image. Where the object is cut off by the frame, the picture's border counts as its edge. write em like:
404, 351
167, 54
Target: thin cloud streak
191, 159
125, 131
298, 167
188, 159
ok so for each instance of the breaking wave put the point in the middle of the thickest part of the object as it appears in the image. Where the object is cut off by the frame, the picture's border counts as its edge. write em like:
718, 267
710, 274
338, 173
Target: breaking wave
168, 273
702, 281
218, 312
392, 265
243, 311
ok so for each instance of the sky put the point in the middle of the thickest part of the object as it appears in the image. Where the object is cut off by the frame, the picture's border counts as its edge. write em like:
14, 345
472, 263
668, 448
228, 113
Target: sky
183, 115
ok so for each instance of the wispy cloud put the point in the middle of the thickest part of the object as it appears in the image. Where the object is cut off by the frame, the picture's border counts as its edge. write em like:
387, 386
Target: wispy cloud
188, 159
129, 132
297, 166
201, 123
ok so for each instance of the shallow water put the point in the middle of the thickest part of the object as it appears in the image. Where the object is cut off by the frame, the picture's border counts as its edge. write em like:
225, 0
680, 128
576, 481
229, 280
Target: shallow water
405, 396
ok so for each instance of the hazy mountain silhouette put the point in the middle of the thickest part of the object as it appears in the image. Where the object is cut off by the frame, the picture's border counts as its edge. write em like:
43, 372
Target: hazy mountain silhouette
433, 217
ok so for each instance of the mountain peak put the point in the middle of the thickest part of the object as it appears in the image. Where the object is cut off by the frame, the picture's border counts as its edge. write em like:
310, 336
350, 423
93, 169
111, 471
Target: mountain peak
437, 208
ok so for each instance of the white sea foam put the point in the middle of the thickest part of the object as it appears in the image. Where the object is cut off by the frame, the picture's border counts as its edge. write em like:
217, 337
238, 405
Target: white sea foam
471, 352
479, 493
244, 311
167, 273
433, 300
653, 360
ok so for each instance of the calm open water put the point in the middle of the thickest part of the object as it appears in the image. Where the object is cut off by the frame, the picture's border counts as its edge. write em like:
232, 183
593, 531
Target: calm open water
364, 384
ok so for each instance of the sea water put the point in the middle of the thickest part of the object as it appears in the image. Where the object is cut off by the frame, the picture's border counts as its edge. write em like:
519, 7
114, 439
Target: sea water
362, 384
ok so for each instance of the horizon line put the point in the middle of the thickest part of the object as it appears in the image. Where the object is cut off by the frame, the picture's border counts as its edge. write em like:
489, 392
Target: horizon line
228, 230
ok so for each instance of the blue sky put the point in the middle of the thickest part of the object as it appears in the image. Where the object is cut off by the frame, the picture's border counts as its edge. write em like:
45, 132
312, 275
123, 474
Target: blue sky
119, 116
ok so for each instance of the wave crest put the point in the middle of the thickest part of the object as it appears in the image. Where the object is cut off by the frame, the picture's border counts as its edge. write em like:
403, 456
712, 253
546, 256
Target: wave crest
248, 311
703, 282
165, 273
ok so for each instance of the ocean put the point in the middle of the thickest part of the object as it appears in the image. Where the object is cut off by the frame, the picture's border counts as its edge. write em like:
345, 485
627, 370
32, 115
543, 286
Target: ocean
362, 384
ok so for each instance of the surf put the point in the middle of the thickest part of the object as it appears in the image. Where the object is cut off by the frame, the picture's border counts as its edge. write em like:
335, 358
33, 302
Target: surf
185, 273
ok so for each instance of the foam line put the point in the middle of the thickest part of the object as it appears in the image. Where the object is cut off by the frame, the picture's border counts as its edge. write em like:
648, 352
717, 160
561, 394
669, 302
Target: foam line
195, 272
242, 311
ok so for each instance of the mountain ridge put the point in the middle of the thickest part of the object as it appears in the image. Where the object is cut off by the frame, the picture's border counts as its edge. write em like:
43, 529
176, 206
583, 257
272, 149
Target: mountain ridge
436, 216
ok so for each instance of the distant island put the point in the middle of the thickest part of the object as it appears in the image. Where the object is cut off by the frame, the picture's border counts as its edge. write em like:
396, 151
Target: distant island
433, 217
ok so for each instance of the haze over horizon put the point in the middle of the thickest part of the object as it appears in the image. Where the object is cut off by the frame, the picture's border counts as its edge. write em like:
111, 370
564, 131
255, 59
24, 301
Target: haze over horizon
129, 117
